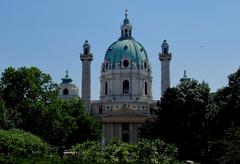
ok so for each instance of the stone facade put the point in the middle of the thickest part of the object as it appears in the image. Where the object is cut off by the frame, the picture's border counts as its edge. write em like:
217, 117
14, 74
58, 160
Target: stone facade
125, 85
125, 88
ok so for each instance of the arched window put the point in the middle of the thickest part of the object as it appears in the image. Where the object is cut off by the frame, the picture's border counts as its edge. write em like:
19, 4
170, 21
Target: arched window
126, 33
145, 88
106, 88
107, 65
165, 50
145, 65
86, 51
125, 87
65, 91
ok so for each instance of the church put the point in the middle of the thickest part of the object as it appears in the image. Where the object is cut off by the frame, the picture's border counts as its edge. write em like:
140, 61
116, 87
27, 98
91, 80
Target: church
126, 100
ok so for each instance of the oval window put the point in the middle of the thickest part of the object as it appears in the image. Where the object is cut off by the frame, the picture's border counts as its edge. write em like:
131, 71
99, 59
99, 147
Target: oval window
125, 63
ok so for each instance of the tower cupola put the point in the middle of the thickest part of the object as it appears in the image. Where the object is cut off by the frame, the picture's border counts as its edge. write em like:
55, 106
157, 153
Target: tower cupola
126, 28
185, 77
67, 89
165, 47
66, 79
86, 48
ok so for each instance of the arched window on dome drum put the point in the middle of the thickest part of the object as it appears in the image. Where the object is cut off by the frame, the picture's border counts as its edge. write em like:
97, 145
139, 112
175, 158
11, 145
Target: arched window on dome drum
107, 65
65, 91
145, 88
106, 88
145, 65
125, 87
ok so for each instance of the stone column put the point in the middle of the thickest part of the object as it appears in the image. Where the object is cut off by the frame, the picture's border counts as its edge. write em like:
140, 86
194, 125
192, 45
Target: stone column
86, 58
131, 136
111, 129
165, 58
120, 130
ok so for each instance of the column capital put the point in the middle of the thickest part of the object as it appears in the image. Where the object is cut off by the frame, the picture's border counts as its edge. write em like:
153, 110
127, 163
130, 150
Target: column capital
165, 56
86, 57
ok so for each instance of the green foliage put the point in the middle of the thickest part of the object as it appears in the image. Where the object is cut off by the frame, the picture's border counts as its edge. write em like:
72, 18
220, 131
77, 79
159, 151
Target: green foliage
29, 101
25, 85
224, 133
68, 124
226, 149
143, 151
20, 143
182, 119
228, 102
22, 90
31, 160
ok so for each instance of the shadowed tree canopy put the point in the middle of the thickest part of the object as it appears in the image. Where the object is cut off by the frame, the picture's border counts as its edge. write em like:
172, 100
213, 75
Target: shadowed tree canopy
182, 118
228, 101
224, 128
29, 101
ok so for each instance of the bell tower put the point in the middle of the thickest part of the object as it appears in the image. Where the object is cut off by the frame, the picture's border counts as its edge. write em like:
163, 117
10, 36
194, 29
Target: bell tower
165, 57
86, 58
67, 89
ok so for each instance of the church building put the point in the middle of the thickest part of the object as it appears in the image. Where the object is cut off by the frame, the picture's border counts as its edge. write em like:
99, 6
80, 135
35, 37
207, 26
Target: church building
125, 85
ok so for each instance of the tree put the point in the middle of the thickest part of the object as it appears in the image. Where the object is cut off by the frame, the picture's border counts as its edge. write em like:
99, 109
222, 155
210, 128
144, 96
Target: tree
68, 124
182, 118
224, 126
226, 149
227, 100
29, 101
22, 89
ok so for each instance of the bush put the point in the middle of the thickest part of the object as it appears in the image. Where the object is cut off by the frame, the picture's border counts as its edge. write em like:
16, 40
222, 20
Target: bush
19, 143
33, 160
143, 151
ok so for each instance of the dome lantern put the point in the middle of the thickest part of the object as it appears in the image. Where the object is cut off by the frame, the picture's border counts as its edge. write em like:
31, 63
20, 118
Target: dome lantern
126, 28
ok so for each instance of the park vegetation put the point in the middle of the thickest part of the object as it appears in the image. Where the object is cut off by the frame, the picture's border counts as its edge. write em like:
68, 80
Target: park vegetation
204, 126
192, 124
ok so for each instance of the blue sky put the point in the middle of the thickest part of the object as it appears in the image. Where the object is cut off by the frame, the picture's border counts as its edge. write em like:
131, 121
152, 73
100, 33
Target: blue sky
204, 36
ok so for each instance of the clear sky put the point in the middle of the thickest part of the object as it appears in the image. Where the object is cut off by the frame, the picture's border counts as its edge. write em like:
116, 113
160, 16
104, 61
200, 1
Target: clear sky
204, 36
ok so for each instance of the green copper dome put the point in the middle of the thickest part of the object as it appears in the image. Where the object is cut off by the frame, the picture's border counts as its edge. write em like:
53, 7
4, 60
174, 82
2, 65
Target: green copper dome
126, 52
126, 49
